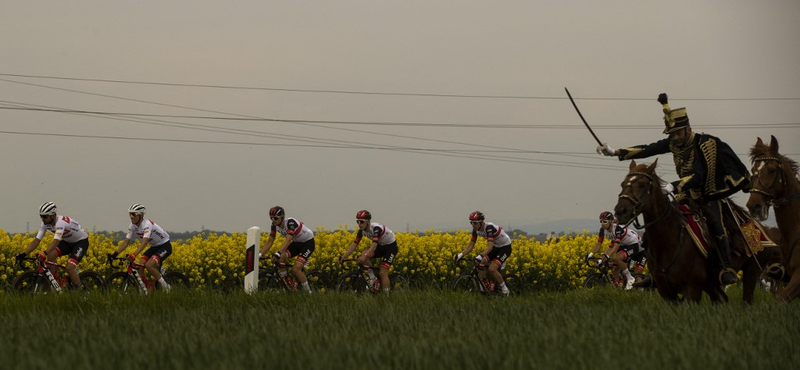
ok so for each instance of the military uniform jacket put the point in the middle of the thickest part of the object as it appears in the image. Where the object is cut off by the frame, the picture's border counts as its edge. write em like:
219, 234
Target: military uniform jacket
708, 168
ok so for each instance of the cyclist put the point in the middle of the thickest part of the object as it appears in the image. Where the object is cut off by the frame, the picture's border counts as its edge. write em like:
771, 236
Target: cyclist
68, 239
151, 234
625, 246
498, 248
383, 245
299, 241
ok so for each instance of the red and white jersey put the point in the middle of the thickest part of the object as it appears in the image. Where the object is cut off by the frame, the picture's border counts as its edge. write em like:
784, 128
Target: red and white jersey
300, 233
379, 233
65, 228
148, 229
620, 234
492, 233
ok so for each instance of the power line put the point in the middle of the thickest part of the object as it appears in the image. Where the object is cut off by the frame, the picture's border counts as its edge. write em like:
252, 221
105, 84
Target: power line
356, 92
409, 124
335, 143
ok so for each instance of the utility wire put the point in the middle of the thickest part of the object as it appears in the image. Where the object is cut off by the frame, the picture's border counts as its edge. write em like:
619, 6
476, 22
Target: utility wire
319, 142
409, 124
356, 92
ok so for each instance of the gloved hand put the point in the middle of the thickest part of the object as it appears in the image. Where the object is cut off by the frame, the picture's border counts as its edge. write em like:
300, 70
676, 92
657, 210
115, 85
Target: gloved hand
588, 256
131, 257
459, 257
41, 256
667, 188
20, 257
662, 98
681, 198
276, 256
605, 150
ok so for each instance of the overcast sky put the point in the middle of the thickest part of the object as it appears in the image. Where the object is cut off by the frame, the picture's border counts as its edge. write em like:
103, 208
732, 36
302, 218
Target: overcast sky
339, 64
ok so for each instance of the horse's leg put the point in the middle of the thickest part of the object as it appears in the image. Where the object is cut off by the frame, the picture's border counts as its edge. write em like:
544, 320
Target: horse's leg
750, 276
792, 289
664, 290
692, 293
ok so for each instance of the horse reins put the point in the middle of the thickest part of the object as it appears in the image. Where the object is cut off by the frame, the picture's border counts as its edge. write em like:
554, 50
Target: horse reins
638, 201
771, 198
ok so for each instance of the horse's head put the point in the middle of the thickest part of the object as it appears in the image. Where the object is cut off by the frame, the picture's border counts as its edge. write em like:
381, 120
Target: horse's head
641, 184
769, 177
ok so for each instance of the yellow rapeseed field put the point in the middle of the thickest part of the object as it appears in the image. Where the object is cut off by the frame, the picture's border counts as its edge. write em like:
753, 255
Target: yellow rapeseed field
425, 258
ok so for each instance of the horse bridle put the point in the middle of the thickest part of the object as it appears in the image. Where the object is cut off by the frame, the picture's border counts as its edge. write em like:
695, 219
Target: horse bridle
771, 199
639, 200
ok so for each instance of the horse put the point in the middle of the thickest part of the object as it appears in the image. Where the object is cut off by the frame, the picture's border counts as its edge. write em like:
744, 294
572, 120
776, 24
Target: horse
678, 268
776, 184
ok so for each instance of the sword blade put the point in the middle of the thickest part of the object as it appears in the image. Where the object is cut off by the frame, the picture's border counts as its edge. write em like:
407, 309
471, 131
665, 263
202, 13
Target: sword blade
581, 115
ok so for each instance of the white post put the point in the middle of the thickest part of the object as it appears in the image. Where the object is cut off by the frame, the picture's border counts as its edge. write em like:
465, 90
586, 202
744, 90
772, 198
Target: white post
251, 259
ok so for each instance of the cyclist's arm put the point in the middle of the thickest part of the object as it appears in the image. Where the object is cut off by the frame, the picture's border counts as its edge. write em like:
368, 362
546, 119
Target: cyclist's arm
597, 247
52, 246
286, 243
469, 248
612, 248
489, 246
122, 246
268, 245
145, 242
370, 251
349, 250
34, 243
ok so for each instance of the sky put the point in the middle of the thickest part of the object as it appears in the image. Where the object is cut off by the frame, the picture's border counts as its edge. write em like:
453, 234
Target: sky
419, 111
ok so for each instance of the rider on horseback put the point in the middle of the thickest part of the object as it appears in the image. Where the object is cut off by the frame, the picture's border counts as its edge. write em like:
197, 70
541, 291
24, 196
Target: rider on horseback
708, 168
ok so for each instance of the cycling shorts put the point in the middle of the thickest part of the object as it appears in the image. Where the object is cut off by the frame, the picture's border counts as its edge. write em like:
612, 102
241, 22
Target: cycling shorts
160, 253
302, 250
388, 252
500, 255
76, 250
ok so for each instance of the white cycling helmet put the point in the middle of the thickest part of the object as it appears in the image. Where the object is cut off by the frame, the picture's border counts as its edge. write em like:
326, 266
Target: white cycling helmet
137, 208
47, 208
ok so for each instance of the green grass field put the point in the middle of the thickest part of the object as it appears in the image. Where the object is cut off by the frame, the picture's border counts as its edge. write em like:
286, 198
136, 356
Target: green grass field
417, 329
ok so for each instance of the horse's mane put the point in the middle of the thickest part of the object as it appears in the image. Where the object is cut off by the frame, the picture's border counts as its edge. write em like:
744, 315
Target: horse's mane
764, 150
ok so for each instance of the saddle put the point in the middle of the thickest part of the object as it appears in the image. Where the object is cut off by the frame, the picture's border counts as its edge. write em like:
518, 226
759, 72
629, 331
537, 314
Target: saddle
752, 231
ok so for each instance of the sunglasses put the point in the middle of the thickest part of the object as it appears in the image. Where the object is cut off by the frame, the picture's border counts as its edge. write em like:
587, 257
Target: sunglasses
273, 218
361, 221
604, 221
475, 222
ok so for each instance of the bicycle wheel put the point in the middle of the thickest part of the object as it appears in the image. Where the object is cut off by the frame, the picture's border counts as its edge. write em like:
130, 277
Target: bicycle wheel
317, 281
514, 284
398, 282
594, 280
352, 283
122, 283
30, 282
466, 284
92, 282
176, 281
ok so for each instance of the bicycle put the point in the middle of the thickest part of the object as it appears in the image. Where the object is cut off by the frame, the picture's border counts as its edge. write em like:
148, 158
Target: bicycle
130, 281
270, 278
42, 280
471, 282
603, 274
356, 281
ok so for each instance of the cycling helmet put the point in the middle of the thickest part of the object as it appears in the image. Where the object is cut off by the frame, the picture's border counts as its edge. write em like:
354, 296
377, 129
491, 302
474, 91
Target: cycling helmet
137, 208
606, 215
476, 216
363, 215
276, 211
47, 208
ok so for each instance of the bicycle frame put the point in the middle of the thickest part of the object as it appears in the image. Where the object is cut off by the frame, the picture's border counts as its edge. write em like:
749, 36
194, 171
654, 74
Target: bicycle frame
57, 283
143, 284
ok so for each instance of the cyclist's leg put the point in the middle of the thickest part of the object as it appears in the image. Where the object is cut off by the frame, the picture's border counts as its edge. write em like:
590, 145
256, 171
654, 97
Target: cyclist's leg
498, 256
303, 251
77, 251
388, 252
155, 257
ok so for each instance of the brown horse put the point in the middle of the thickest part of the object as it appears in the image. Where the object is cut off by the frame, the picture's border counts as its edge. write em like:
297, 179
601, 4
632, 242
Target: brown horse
775, 184
677, 266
